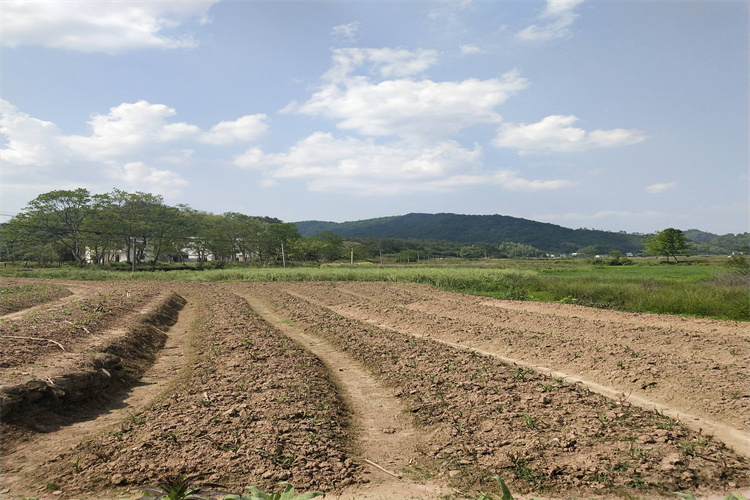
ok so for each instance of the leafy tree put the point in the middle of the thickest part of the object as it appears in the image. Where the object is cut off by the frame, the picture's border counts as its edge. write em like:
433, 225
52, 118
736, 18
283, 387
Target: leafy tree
329, 246
470, 252
57, 217
669, 242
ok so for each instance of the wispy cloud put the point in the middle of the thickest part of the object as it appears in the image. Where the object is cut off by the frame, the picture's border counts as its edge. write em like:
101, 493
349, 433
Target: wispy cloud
346, 32
554, 22
660, 188
470, 49
104, 26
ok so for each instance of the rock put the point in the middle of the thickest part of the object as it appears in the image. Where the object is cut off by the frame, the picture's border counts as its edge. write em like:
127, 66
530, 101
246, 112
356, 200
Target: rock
106, 360
117, 479
454, 473
670, 462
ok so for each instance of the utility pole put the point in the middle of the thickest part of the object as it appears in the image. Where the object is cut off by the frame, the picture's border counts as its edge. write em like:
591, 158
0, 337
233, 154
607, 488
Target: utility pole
351, 260
283, 255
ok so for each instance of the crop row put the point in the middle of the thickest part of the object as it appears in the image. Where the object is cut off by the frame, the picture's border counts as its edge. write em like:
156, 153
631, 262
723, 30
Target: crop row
249, 407
539, 433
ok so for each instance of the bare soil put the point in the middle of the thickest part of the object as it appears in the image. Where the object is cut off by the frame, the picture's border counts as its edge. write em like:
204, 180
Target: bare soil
375, 390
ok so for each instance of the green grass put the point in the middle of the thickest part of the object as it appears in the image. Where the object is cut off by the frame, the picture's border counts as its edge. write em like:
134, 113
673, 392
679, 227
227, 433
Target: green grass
700, 287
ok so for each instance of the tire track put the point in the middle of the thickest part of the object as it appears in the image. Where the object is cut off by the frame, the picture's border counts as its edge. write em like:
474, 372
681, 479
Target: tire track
386, 438
735, 438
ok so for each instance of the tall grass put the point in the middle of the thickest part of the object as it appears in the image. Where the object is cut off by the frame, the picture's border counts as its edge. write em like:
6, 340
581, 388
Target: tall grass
695, 290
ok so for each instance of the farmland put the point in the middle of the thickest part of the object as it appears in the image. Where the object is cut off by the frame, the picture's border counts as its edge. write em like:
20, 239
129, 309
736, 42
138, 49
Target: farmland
365, 389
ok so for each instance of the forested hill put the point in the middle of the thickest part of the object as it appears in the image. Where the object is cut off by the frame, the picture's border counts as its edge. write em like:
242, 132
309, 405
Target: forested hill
479, 228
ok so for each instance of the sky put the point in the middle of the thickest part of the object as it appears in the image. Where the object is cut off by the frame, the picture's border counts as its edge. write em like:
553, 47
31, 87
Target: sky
615, 115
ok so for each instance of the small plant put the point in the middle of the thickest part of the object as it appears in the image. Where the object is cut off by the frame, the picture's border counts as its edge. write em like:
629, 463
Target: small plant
287, 494
521, 374
76, 464
531, 422
506, 491
52, 486
694, 448
136, 419
182, 488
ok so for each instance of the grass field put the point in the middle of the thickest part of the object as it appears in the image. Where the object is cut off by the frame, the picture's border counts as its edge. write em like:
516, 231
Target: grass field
697, 287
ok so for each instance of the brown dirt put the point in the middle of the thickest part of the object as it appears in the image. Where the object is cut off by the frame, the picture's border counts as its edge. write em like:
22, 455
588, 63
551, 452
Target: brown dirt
373, 390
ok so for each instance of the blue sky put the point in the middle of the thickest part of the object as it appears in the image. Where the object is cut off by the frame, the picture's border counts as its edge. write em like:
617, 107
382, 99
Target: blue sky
627, 116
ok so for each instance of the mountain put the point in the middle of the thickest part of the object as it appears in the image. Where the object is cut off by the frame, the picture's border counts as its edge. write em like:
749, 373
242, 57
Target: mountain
469, 229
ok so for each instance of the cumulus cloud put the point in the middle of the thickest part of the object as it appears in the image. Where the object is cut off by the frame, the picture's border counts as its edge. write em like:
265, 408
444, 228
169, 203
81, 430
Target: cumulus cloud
246, 128
136, 144
104, 26
387, 100
130, 128
139, 174
364, 167
27, 140
555, 133
554, 22
660, 188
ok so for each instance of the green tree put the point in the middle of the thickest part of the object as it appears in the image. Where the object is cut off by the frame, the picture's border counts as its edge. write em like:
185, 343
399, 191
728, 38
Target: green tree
57, 217
669, 242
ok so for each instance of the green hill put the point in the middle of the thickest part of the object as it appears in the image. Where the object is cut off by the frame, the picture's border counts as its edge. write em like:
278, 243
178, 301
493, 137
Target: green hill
470, 229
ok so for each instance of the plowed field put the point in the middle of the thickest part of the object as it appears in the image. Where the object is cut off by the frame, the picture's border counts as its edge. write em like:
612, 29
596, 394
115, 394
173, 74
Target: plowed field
365, 390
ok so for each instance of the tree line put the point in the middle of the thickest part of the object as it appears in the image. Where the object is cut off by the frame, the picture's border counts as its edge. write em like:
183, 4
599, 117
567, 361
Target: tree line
74, 225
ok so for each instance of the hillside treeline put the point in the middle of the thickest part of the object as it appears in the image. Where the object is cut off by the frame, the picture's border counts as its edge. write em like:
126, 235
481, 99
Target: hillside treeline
75, 225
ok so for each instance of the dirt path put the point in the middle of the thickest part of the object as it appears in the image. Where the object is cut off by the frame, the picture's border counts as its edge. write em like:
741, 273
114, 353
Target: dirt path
20, 465
387, 440
694, 370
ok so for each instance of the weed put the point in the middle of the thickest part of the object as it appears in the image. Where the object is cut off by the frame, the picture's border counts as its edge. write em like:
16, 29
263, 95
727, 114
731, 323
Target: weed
76, 464
137, 420
522, 374
52, 486
531, 422
287, 494
693, 448
182, 488
619, 466
504, 487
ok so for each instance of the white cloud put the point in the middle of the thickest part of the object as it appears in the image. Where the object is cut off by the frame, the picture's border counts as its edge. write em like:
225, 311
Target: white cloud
245, 128
101, 26
470, 49
130, 129
555, 22
363, 167
27, 140
135, 144
555, 133
384, 62
141, 176
660, 188
346, 32
404, 107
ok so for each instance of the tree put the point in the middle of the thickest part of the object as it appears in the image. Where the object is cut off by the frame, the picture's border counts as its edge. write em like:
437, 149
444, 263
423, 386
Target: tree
58, 217
670, 242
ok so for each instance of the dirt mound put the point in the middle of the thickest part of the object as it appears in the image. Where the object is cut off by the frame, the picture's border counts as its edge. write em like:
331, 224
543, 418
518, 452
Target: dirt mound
111, 361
